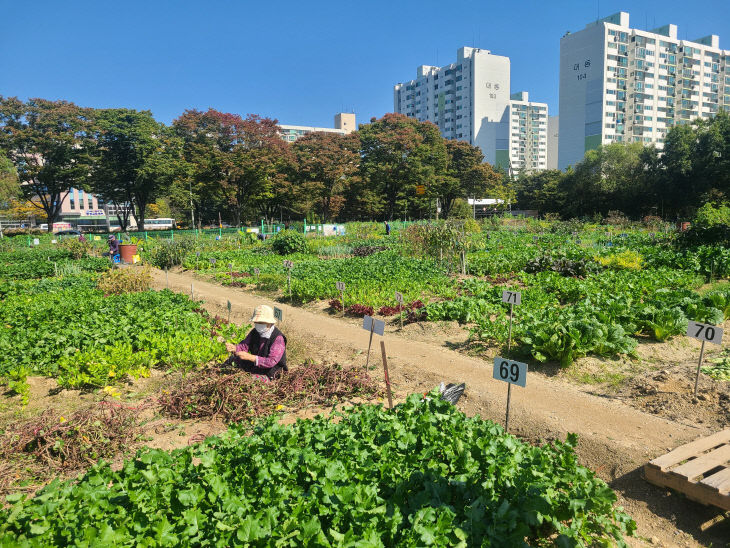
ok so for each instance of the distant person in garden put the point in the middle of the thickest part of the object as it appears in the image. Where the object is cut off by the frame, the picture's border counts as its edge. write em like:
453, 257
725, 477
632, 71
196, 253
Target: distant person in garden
82, 238
387, 228
263, 352
113, 246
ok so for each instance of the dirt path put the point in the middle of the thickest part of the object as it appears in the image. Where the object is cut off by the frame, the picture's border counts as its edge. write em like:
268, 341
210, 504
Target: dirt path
615, 439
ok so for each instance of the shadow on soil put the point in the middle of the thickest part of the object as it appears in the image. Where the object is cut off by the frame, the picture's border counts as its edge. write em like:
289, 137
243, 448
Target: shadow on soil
685, 514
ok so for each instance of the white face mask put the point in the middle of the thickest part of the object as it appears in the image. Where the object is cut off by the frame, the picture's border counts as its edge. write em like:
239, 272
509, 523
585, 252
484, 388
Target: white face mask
261, 328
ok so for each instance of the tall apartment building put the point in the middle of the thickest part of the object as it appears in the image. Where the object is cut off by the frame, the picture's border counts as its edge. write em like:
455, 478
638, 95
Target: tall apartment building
470, 101
344, 124
619, 84
528, 137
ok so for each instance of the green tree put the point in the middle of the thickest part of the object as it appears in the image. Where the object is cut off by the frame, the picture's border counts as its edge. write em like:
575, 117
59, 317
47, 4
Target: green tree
135, 159
48, 142
541, 191
9, 186
608, 178
398, 153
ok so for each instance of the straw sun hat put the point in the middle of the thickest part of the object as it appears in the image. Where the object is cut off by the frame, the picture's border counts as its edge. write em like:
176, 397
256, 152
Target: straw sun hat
263, 314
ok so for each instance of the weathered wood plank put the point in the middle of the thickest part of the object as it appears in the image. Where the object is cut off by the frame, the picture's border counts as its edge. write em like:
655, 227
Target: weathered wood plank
692, 449
703, 463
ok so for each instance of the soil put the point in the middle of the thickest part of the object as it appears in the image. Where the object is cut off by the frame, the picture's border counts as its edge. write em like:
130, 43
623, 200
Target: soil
620, 428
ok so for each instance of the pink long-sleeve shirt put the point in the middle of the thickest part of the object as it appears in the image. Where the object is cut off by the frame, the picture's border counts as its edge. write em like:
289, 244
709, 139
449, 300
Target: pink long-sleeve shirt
275, 353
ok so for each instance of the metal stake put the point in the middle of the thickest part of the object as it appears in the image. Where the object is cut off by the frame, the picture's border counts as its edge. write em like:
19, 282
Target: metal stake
370, 343
342, 300
192, 293
509, 348
699, 364
387, 378
167, 279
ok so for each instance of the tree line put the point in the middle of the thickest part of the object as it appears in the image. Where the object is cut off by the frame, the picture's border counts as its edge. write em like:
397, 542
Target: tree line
692, 169
208, 165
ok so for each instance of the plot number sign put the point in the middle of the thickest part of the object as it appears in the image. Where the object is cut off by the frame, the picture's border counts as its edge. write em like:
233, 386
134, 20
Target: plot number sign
256, 271
212, 261
511, 297
288, 264
510, 371
371, 324
399, 297
340, 286
705, 332
278, 314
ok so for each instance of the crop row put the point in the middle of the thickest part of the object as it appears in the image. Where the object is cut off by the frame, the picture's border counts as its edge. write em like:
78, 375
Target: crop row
423, 474
66, 328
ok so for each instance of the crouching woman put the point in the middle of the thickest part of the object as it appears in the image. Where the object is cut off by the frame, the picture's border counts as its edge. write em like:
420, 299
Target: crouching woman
263, 352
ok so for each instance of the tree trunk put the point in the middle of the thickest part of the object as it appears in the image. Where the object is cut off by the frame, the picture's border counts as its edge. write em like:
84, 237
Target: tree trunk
140, 216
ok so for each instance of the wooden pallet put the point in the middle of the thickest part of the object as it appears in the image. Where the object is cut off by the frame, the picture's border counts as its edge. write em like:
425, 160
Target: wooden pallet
700, 470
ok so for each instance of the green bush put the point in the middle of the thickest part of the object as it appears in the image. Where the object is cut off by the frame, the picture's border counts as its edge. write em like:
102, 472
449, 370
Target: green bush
288, 242
711, 225
166, 254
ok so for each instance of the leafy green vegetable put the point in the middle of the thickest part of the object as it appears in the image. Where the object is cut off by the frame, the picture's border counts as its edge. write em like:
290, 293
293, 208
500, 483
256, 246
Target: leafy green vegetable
422, 474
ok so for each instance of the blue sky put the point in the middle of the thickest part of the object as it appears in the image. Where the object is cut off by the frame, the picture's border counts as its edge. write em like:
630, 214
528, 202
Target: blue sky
297, 61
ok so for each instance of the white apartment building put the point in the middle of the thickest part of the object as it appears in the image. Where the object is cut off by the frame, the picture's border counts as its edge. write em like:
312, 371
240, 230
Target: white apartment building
470, 101
528, 134
344, 124
619, 84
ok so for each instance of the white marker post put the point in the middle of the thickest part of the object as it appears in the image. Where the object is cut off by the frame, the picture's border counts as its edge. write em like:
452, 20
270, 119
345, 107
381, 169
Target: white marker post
167, 279
192, 293
373, 326
387, 376
230, 269
705, 333
288, 265
512, 298
341, 288
399, 299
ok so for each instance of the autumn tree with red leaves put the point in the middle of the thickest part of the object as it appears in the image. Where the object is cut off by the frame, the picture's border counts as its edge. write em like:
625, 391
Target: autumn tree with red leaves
241, 161
325, 164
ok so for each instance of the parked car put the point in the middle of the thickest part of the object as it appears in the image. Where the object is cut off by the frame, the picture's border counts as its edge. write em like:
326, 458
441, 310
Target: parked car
68, 232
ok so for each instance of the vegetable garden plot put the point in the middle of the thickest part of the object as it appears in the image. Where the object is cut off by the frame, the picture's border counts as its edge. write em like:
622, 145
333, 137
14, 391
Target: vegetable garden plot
24, 264
85, 339
421, 474
597, 295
